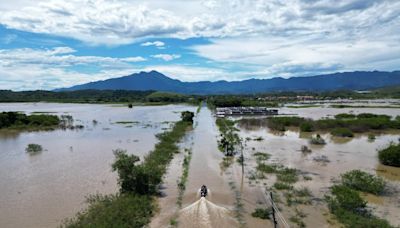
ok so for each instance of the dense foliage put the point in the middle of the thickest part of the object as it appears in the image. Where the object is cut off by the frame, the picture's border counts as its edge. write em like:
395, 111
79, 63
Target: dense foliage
20, 120
239, 100
348, 206
96, 96
229, 137
121, 210
166, 97
390, 155
342, 125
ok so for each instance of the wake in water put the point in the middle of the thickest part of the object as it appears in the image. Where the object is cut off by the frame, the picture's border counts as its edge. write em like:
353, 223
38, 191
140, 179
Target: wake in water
203, 213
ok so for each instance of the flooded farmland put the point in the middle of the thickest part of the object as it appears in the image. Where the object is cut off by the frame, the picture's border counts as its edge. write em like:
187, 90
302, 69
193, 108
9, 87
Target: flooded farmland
323, 164
40, 190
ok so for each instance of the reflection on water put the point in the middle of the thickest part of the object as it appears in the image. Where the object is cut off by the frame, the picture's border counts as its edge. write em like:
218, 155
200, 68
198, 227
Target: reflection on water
41, 190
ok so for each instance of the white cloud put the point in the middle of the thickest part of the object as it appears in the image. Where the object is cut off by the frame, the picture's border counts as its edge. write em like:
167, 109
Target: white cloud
279, 56
166, 57
155, 43
122, 22
26, 68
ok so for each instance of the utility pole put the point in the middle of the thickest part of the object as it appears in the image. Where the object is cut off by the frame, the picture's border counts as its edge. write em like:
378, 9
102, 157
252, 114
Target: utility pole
273, 211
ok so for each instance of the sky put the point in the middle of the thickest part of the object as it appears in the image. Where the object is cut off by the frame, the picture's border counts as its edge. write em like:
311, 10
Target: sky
48, 44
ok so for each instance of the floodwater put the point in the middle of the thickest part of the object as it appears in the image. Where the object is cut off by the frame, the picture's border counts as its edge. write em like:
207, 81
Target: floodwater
327, 111
43, 189
325, 163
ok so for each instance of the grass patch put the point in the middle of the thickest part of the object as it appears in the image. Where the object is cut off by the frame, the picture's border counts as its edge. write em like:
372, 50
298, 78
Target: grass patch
260, 156
185, 173
282, 186
342, 132
287, 175
262, 213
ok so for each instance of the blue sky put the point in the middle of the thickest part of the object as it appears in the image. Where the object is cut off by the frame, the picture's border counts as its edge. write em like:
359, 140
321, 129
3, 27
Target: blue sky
48, 44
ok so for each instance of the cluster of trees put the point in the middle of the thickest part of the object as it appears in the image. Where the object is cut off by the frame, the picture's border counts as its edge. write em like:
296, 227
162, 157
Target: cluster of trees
229, 137
342, 125
20, 120
96, 96
348, 206
138, 182
239, 100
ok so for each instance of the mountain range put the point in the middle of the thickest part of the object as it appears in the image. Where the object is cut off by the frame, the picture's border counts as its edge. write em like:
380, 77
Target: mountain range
153, 80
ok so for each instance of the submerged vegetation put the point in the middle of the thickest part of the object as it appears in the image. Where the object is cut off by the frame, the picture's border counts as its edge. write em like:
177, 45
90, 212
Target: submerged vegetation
34, 148
16, 120
390, 156
185, 173
262, 213
348, 206
134, 205
342, 125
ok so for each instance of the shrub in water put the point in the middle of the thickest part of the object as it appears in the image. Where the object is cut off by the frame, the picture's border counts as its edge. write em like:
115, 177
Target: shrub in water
34, 148
362, 181
390, 155
262, 213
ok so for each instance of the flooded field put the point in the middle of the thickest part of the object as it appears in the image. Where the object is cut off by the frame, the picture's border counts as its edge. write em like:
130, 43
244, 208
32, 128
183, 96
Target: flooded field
41, 190
324, 164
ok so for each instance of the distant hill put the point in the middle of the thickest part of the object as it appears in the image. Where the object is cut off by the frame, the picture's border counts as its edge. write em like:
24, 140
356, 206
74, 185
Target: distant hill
153, 80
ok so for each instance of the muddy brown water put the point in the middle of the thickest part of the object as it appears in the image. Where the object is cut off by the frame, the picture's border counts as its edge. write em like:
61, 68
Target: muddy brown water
40, 190
342, 155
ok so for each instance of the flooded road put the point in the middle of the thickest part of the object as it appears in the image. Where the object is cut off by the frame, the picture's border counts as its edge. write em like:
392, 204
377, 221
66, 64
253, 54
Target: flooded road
205, 169
41, 190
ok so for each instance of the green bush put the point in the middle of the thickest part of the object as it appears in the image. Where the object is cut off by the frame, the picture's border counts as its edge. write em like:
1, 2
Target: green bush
362, 181
346, 198
350, 209
390, 155
307, 127
262, 213
342, 132
34, 148
187, 116
124, 210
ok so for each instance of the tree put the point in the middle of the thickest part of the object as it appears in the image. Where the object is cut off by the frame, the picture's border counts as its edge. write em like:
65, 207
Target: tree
132, 178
